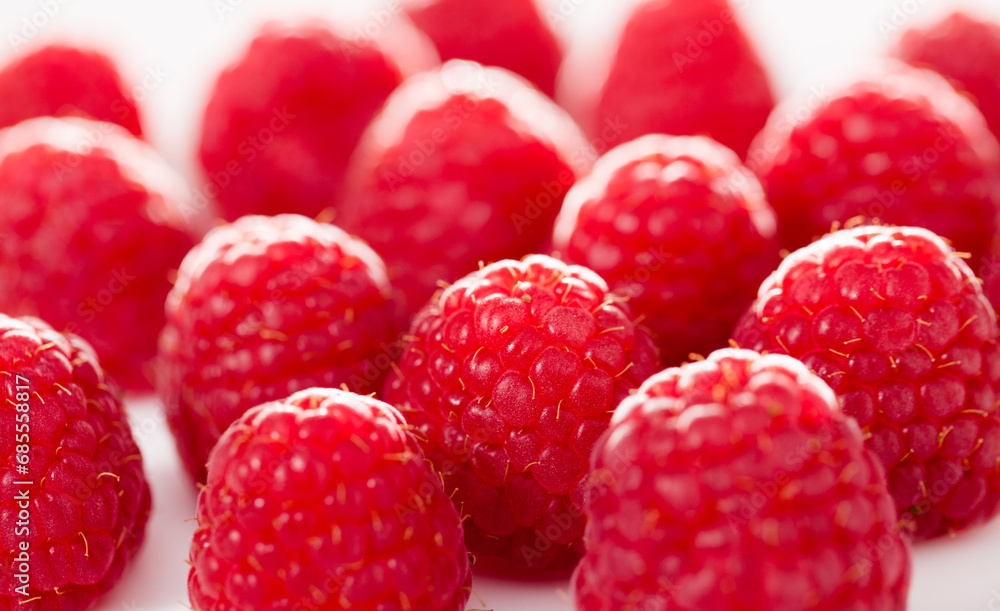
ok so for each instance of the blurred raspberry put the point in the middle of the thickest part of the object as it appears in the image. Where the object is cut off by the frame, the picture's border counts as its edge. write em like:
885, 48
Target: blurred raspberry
964, 49
57, 80
682, 228
283, 119
464, 165
679, 67
899, 145
735, 484
92, 223
324, 501
899, 328
512, 34
509, 376
83, 513
265, 307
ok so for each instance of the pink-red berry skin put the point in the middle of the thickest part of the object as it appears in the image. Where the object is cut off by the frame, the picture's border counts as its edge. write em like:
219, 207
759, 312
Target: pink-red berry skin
282, 121
464, 164
682, 228
58, 80
965, 50
737, 484
512, 34
509, 376
682, 68
265, 307
898, 144
92, 224
898, 326
323, 500
87, 501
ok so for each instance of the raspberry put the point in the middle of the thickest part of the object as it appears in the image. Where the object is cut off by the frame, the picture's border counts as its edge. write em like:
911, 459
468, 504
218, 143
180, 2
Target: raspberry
898, 326
682, 228
966, 51
265, 307
57, 80
323, 501
511, 34
92, 222
899, 145
86, 501
284, 118
464, 164
733, 484
509, 376
681, 67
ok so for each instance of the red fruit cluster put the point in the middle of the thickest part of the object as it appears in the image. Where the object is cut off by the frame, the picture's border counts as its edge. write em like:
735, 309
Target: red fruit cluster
736, 483
92, 222
57, 80
265, 307
899, 145
324, 501
898, 326
283, 120
73, 497
679, 226
464, 164
512, 34
510, 375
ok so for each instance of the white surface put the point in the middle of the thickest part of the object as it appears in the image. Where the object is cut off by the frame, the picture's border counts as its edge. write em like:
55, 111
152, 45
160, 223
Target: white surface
172, 49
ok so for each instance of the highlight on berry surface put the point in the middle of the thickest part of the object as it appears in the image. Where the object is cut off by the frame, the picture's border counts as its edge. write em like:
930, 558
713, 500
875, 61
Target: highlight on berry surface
508, 377
897, 324
735, 483
323, 500
74, 498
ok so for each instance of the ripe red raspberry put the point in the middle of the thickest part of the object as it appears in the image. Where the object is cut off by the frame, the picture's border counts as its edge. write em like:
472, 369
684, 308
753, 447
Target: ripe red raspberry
283, 119
509, 376
465, 164
680, 67
682, 228
899, 145
324, 501
512, 34
57, 80
92, 222
265, 307
899, 328
964, 49
73, 497
733, 484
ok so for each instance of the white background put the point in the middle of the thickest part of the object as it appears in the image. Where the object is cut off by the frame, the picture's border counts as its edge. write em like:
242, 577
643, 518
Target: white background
173, 48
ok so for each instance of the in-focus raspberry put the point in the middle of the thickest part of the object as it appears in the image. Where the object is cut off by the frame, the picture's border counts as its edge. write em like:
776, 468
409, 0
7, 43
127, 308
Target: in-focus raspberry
324, 501
509, 376
679, 226
897, 325
736, 483
82, 513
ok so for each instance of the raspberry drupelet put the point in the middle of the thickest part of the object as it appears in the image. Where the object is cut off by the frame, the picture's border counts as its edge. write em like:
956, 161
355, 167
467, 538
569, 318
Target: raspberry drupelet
509, 376
898, 326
